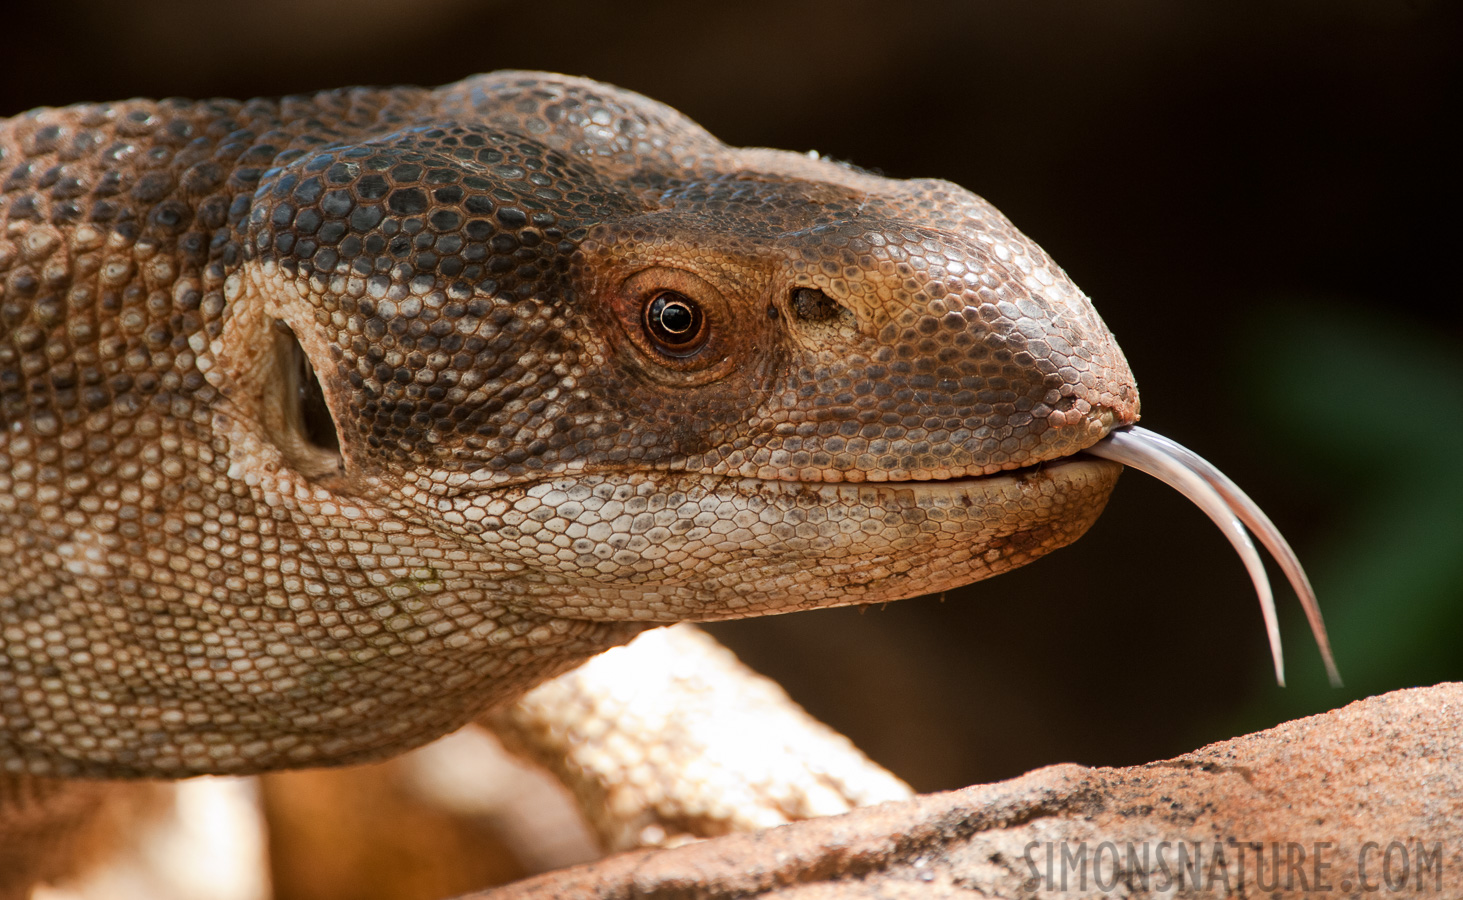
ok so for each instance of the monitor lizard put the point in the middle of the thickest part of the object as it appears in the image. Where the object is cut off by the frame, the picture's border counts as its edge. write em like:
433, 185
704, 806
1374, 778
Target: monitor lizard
331, 423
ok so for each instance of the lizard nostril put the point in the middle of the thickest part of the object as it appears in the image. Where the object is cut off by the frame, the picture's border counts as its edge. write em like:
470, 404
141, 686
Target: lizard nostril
812, 305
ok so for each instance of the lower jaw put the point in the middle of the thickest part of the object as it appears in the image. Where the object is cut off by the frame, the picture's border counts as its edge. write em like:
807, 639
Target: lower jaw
928, 536
808, 544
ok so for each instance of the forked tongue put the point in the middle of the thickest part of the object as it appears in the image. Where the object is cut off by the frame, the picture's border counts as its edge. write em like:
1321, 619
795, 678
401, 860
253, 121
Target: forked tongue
1232, 510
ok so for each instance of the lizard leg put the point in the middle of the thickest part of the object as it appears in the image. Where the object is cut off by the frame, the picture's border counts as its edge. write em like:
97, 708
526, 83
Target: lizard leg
45, 827
93, 839
670, 738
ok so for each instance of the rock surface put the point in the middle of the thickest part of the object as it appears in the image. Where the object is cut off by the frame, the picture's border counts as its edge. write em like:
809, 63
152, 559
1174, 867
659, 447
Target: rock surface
1364, 800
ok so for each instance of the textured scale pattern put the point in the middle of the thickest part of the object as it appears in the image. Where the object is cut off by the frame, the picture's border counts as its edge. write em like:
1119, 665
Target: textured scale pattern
883, 400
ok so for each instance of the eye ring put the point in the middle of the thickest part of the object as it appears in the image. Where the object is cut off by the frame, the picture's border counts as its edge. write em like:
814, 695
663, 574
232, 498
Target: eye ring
675, 323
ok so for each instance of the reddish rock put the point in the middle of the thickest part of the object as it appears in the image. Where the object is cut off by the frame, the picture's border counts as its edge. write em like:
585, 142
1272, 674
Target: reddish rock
1362, 801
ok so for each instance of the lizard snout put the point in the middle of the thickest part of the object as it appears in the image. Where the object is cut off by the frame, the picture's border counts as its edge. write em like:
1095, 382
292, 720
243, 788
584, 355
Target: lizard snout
955, 353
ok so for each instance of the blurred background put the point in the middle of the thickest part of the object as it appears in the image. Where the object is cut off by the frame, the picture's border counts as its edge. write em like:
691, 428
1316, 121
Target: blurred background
1259, 196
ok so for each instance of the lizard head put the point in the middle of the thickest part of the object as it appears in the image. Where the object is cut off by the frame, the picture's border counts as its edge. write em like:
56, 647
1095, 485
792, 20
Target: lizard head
650, 376
332, 421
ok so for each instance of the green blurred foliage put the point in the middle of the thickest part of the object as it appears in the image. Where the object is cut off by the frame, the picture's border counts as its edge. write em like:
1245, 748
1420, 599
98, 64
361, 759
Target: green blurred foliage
1374, 401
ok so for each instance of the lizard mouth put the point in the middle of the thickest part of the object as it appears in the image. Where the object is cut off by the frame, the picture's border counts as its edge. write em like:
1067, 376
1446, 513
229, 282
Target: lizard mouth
1233, 511
1036, 470
1204, 485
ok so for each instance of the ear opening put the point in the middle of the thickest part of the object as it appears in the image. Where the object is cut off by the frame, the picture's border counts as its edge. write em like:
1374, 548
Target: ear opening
307, 433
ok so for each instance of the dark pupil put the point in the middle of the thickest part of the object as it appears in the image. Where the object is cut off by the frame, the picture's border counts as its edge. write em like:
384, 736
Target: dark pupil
676, 318
673, 319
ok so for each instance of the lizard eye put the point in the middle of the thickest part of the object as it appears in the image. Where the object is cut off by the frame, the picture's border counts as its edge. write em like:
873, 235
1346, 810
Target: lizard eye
675, 324
679, 324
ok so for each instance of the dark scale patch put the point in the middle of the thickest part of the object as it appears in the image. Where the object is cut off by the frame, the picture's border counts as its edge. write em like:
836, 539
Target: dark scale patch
164, 178
336, 204
444, 218
372, 187
365, 218
407, 201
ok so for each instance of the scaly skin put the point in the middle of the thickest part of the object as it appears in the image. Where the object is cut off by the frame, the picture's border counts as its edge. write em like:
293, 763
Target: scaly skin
528, 470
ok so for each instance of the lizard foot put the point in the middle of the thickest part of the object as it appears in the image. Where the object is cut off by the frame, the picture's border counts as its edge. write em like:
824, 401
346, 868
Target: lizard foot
670, 738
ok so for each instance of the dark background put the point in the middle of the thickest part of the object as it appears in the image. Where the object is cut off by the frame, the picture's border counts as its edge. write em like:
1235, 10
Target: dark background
1259, 196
